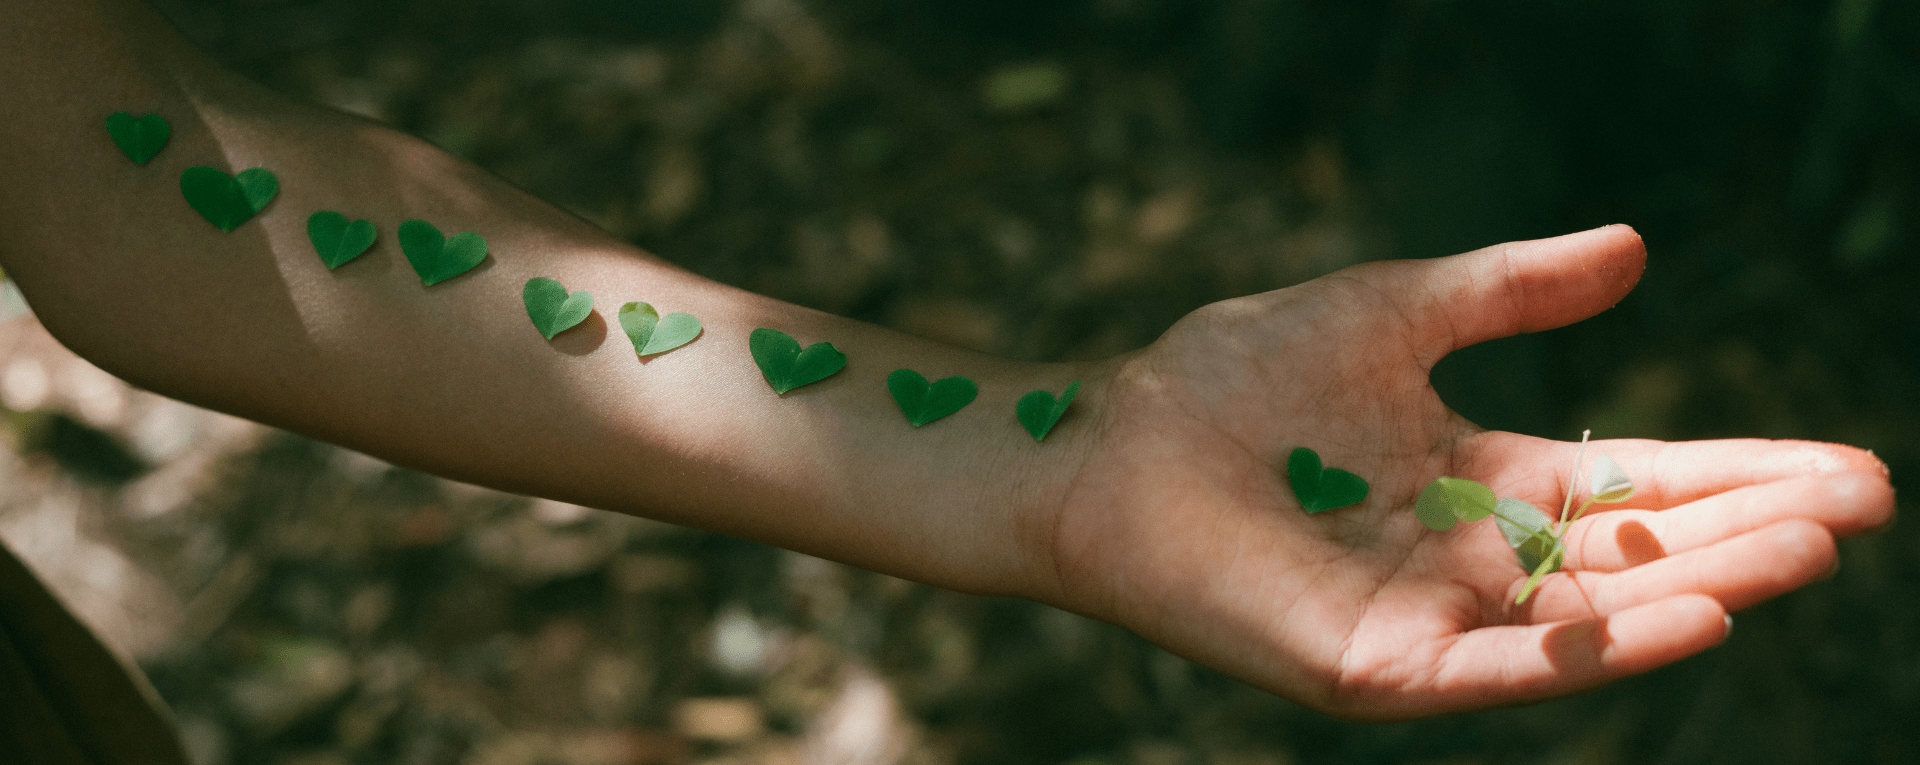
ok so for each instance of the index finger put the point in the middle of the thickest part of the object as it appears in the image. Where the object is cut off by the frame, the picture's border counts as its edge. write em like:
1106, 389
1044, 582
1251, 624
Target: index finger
1665, 473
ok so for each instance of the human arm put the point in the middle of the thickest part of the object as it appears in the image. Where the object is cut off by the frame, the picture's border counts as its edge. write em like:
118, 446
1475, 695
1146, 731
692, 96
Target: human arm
1158, 505
453, 378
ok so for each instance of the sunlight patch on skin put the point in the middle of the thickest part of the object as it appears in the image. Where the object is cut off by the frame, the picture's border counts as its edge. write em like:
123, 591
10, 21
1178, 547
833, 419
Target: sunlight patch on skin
1410, 659
1813, 459
1323, 575
1420, 591
1616, 540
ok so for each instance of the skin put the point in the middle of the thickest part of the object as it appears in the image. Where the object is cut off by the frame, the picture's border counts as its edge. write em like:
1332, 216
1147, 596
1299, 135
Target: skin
1364, 612
1159, 503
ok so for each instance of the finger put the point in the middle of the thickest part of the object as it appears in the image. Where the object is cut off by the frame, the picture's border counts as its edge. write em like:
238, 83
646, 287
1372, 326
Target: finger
1506, 289
1738, 572
1845, 504
1495, 666
1665, 473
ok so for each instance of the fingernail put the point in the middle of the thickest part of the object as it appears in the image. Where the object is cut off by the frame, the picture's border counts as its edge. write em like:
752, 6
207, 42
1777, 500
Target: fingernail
1831, 570
1728, 633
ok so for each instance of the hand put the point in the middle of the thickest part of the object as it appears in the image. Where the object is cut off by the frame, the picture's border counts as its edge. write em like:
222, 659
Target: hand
1182, 527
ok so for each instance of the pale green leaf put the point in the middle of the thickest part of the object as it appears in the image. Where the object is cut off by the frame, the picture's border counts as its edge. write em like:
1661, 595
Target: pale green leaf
1610, 483
1431, 508
1527, 531
1535, 549
1447, 501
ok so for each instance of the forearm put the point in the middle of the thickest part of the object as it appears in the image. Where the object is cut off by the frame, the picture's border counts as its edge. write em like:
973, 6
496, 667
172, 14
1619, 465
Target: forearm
453, 378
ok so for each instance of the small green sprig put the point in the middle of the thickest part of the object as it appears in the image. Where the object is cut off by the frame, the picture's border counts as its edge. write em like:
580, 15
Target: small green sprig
1540, 545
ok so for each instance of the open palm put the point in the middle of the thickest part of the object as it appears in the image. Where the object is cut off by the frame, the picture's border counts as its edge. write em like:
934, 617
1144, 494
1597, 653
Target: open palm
1182, 525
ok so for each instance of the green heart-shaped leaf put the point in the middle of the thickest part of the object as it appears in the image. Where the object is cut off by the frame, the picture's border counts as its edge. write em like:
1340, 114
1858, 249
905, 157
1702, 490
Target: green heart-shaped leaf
337, 240
227, 201
1318, 489
653, 334
1039, 410
435, 257
1447, 501
140, 138
786, 366
552, 310
923, 402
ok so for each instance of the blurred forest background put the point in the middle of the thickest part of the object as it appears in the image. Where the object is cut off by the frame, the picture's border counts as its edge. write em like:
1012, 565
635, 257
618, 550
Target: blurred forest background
1041, 180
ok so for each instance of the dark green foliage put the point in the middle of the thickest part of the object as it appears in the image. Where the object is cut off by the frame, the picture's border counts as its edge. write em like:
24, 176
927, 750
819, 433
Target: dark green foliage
1318, 488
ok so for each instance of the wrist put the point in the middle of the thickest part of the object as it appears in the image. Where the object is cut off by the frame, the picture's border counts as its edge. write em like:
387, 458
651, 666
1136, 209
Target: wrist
1031, 479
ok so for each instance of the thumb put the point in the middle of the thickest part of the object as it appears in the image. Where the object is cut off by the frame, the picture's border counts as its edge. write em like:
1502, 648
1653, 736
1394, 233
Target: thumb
1453, 302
